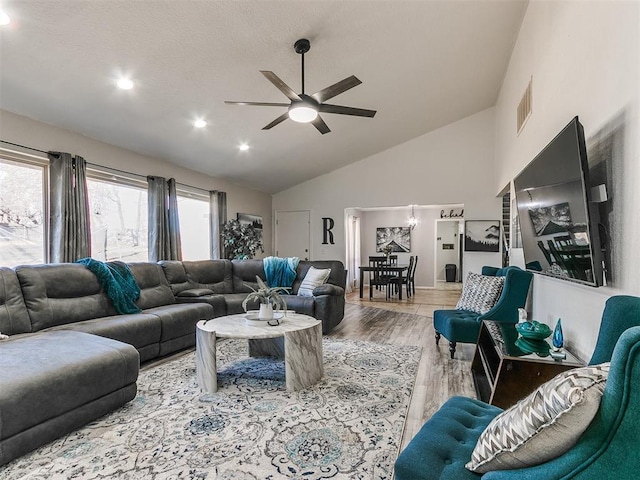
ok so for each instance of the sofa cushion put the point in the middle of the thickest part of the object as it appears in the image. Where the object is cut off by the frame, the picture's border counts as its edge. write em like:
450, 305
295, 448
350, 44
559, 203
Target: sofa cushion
244, 275
46, 374
195, 292
301, 304
337, 276
175, 275
480, 293
154, 288
57, 294
544, 425
178, 320
234, 301
138, 329
314, 278
214, 275
14, 317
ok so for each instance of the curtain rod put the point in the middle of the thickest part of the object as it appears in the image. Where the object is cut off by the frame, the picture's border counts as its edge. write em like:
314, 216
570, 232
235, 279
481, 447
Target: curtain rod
95, 164
24, 146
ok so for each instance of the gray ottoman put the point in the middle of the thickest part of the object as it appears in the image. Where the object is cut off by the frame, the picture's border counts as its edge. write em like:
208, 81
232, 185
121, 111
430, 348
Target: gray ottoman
52, 383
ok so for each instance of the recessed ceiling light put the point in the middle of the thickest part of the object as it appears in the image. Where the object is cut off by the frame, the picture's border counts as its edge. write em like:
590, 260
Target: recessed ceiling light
200, 123
125, 84
243, 147
4, 19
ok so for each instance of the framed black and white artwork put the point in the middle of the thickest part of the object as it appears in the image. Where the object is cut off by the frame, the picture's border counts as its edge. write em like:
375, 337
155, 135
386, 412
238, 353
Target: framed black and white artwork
398, 237
248, 219
482, 236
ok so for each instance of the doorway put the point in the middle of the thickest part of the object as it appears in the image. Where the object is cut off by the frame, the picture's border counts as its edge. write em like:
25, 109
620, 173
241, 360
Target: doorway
293, 236
448, 252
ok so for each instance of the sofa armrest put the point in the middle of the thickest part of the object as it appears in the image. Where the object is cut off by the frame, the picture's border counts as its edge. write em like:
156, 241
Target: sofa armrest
195, 292
328, 289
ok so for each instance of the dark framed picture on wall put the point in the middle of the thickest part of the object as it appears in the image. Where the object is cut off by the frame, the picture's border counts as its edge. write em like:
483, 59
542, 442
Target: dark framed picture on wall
482, 236
248, 219
398, 238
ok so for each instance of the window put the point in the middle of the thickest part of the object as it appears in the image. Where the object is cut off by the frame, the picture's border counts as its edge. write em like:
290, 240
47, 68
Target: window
193, 210
118, 217
22, 207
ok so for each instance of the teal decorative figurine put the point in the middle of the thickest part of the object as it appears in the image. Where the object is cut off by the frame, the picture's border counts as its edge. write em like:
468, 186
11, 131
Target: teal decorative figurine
558, 339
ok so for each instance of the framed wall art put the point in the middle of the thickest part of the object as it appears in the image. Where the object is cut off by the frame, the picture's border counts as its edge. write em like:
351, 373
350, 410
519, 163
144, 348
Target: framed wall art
482, 236
398, 237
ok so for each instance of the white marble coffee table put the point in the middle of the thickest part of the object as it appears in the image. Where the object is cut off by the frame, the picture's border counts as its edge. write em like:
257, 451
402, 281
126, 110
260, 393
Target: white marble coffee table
298, 339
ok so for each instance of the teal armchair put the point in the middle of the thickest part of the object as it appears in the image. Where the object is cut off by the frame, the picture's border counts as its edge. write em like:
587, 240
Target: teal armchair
464, 326
607, 449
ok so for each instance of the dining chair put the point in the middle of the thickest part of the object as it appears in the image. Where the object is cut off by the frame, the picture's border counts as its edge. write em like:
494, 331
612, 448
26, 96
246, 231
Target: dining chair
412, 277
378, 275
397, 281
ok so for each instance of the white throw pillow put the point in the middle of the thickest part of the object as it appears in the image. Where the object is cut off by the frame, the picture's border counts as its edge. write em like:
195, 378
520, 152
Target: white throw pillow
314, 278
480, 293
543, 425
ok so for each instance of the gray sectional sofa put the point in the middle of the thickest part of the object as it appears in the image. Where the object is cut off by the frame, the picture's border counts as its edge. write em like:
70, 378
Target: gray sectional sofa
70, 358
224, 284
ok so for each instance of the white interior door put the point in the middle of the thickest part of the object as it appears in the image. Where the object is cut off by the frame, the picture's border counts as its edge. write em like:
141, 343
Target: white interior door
293, 234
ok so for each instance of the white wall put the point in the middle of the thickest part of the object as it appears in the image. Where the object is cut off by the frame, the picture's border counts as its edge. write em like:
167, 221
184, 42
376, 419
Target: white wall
584, 59
451, 165
24, 131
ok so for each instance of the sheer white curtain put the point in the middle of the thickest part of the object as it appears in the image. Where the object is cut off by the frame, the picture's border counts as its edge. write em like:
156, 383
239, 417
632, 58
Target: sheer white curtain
352, 254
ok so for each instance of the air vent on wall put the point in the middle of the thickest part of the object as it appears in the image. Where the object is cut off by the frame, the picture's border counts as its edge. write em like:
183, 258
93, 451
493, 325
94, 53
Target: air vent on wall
524, 108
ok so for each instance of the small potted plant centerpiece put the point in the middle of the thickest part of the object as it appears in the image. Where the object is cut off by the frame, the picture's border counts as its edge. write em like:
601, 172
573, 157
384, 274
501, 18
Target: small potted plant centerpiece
269, 297
387, 250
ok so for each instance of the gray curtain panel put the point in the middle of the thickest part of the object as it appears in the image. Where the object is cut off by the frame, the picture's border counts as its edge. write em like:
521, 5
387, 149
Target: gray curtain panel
217, 218
164, 225
69, 235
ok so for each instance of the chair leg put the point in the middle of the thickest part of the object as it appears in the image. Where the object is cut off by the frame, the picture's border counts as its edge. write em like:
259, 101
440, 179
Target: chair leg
438, 335
452, 348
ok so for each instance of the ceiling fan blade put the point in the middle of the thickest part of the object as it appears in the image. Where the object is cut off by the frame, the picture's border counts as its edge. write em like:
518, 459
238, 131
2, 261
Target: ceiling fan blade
280, 85
320, 125
336, 89
258, 104
358, 112
278, 120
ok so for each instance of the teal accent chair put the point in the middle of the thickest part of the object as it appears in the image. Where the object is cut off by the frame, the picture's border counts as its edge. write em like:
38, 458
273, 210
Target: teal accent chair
607, 449
464, 326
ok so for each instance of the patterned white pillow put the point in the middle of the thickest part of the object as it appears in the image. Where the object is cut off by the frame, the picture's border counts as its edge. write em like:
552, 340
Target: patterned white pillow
543, 425
480, 293
314, 278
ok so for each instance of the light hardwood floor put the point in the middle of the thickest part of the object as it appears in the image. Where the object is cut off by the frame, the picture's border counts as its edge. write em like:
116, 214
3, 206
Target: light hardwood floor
409, 322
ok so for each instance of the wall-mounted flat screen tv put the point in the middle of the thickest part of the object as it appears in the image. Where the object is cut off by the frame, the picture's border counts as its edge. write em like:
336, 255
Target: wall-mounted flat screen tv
558, 222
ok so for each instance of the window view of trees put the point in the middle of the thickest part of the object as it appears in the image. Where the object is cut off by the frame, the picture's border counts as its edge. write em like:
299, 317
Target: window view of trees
194, 228
119, 217
118, 222
21, 214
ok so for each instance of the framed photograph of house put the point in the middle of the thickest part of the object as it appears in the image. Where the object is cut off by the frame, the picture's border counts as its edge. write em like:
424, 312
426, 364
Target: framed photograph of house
482, 236
248, 219
398, 237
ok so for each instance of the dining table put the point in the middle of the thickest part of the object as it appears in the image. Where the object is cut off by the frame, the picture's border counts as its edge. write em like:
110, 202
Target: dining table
397, 268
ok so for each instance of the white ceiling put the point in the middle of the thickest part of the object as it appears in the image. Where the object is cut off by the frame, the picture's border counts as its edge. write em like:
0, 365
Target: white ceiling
423, 64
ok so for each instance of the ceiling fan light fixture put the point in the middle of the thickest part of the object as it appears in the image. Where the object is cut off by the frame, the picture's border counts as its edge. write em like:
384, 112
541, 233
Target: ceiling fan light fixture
302, 113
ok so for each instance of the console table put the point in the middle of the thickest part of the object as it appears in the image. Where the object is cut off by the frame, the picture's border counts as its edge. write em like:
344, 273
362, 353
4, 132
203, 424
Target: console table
503, 374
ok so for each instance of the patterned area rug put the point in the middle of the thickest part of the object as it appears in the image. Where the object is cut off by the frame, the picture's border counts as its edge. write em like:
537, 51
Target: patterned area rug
348, 426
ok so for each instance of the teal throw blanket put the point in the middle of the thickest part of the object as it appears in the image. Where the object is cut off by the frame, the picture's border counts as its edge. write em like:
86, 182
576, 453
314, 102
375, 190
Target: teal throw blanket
118, 283
280, 272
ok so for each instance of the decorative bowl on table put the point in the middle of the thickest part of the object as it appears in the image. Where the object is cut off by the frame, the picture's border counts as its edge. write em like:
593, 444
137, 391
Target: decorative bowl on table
533, 330
539, 347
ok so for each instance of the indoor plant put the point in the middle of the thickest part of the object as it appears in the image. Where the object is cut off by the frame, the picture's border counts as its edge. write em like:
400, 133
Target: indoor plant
268, 297
241, 241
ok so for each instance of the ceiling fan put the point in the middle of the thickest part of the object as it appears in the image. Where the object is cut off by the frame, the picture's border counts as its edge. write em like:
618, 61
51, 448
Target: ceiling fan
305, 108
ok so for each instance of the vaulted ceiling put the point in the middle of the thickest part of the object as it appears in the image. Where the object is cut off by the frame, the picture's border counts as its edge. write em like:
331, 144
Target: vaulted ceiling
423, 64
